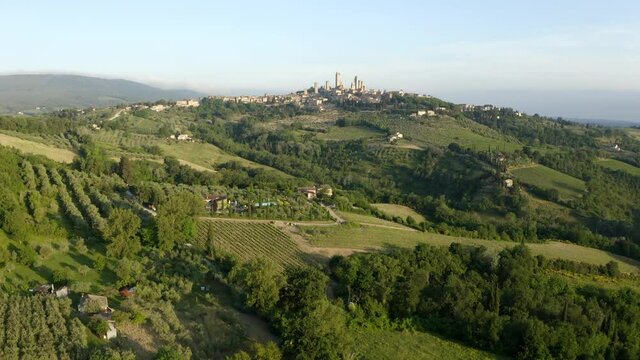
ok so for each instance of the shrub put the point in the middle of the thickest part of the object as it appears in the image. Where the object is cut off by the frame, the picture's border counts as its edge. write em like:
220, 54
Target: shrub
98, 326
45, 250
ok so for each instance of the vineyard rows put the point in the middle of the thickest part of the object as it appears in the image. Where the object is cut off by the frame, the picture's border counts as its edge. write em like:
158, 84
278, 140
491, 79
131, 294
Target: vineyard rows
248, 240
121, 138
393, 155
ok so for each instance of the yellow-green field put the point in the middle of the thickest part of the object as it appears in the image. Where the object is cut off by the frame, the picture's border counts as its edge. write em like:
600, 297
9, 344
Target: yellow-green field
37, 148
371, 220
619, 165
399, 210
446, 130
391, 345
205, 155
569, 188
367, 237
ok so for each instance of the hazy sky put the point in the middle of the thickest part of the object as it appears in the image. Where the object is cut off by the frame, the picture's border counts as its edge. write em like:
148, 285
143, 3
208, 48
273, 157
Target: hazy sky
527, 54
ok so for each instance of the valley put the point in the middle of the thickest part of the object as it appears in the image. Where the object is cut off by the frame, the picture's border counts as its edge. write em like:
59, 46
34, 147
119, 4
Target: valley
206, 210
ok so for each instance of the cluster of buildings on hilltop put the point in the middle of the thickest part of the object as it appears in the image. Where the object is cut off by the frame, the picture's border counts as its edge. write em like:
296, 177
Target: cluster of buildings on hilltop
317, 96
162, 107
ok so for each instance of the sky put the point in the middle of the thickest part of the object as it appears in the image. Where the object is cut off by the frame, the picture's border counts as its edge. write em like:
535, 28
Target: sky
561, 58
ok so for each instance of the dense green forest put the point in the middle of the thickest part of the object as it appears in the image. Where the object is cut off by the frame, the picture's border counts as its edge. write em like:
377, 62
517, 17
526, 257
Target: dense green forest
210, 231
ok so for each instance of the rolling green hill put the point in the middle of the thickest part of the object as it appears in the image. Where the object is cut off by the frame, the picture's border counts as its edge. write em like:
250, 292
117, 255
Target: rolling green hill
568, 187
445, 130
619, 165
391, 345
52, 92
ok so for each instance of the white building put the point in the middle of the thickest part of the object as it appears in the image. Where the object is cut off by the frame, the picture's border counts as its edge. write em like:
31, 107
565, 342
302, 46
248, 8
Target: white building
395, 137
112, 332
159, 107
188, 103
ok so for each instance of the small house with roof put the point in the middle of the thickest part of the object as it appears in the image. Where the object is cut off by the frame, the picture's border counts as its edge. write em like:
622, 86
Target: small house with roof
310, 192
50, 290
112, 331
216, 203
94, 304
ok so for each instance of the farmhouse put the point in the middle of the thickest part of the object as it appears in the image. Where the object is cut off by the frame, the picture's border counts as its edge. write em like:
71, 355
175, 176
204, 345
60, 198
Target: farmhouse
45, 289
508, 183
94, 304
159, 107
49, 289
310, 192
188, 103
216, 203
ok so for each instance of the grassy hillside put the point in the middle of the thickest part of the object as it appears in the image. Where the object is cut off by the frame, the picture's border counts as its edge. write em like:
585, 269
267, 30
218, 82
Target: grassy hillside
569, 188
370, 220
446, 130
391, 345
619, 165
37, 148
63, 258
399, 210
370, 237
199, 155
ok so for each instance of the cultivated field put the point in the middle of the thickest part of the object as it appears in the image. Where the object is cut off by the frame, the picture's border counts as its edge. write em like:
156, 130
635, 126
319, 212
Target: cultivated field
619, 165
370, 220
350, 133
391, 345
569, 188
399, 210
246, 240
37, 148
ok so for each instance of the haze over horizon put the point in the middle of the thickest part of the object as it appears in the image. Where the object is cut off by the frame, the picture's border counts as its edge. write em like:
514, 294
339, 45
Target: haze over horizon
576, 59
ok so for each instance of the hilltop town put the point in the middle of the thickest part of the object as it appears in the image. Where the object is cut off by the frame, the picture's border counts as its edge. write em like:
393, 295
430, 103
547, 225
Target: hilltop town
320, 98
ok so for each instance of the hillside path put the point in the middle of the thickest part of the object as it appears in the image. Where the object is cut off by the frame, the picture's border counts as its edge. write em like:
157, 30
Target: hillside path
115, 116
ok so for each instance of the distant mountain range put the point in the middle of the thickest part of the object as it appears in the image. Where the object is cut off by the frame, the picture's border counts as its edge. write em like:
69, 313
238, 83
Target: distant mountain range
39, 93
606, 122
